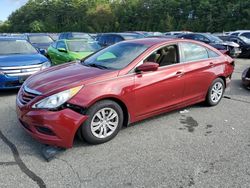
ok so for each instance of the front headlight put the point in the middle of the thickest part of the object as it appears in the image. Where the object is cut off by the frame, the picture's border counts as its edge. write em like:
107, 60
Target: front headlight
56, 100
46, 65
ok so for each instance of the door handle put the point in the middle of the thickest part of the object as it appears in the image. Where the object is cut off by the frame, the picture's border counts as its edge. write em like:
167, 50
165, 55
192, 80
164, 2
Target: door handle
211, 64
179, 73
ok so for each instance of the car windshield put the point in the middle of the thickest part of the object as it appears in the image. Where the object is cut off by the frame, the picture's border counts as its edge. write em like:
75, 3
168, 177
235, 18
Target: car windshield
116, 56
40, 39
16, 47
213, 38
82, 46
82, 36
130, 37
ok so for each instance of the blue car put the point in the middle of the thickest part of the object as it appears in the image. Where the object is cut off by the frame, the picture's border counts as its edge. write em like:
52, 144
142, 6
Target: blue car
39, 40
18, 60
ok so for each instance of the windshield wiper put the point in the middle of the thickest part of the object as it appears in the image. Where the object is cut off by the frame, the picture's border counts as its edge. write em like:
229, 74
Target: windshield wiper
96, 65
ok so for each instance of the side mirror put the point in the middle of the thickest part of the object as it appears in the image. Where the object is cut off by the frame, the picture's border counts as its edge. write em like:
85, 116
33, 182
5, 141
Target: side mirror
62, 50
147, 66
225, 52
43, 51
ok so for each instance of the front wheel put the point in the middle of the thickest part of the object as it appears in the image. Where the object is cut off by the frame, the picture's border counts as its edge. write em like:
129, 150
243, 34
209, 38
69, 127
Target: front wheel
215, 92
104, 122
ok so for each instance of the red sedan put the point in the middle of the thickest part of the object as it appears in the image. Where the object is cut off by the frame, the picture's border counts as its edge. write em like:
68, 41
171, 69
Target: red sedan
118, 85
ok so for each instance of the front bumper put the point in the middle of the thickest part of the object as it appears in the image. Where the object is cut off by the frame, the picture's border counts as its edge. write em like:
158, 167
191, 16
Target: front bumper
10, 82
56, 128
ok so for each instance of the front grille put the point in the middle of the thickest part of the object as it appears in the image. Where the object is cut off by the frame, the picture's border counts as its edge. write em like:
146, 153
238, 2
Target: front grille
26, 96
21, 70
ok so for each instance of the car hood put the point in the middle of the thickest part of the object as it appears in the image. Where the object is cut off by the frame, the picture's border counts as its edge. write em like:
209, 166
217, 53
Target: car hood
80, 55
65, 76
21, 59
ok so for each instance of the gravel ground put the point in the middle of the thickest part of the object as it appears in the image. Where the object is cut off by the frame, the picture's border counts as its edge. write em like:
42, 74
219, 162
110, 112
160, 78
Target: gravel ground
193, 147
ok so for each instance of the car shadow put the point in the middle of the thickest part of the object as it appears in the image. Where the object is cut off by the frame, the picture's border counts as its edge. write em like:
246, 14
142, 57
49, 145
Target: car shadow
79, 143
8, 92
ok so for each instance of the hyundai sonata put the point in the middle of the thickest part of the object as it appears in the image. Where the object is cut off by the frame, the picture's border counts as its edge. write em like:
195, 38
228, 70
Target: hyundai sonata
118, 85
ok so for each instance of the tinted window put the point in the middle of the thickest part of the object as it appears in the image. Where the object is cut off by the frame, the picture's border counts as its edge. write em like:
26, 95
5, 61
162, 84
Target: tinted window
130, 37
61, 44
235, 34
193, 52
200, 38
62, 36
188, 36
247, 35
16, 47
82, 36
117, 56
118, 39
110, 40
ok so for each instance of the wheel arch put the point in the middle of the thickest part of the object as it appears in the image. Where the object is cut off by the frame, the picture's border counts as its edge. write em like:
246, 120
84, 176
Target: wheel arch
120, 103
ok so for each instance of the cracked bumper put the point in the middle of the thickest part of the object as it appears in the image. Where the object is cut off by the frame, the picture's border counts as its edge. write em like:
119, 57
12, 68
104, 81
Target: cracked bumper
56, 128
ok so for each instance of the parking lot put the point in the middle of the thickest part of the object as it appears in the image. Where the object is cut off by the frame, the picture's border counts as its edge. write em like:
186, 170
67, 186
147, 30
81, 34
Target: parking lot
197, 146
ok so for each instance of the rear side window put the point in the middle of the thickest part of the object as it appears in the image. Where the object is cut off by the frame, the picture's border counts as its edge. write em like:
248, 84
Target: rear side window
118, 39
247, 35
111, 40
193, 52
188, 36
235, 34
212, 54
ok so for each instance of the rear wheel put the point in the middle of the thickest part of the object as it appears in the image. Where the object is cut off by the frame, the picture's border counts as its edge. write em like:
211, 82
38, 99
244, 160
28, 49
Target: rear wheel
104, 122
215, 92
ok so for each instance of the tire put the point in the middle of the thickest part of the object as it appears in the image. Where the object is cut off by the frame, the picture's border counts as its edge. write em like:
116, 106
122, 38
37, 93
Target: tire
104, 117
215, 92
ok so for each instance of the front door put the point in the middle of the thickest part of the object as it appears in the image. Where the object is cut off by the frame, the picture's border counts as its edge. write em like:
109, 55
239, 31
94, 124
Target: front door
161, 89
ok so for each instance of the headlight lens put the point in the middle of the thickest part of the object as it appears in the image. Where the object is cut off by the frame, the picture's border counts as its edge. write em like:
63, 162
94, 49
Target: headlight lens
46, 65
56, 100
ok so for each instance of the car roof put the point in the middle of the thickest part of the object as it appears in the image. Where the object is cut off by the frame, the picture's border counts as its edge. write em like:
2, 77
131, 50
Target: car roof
128, 33
154, 41
73, 32
11, 38
84, 40
36, 34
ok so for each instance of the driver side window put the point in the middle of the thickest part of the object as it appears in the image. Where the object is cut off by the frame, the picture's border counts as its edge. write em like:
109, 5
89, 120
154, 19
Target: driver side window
61, 44
165, 56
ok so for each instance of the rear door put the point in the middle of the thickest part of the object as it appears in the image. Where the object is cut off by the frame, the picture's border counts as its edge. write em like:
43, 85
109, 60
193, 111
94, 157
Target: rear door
199, 66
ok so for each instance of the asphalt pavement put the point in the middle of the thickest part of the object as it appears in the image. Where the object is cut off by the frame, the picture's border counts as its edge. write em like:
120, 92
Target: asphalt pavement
197, 146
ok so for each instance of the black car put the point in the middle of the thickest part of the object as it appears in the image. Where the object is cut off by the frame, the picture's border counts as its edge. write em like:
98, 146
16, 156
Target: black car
245, 47
246, 78
75, 35
216, 42
107, 39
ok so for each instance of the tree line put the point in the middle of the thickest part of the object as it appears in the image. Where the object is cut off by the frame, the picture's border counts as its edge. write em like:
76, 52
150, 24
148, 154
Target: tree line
127, 15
